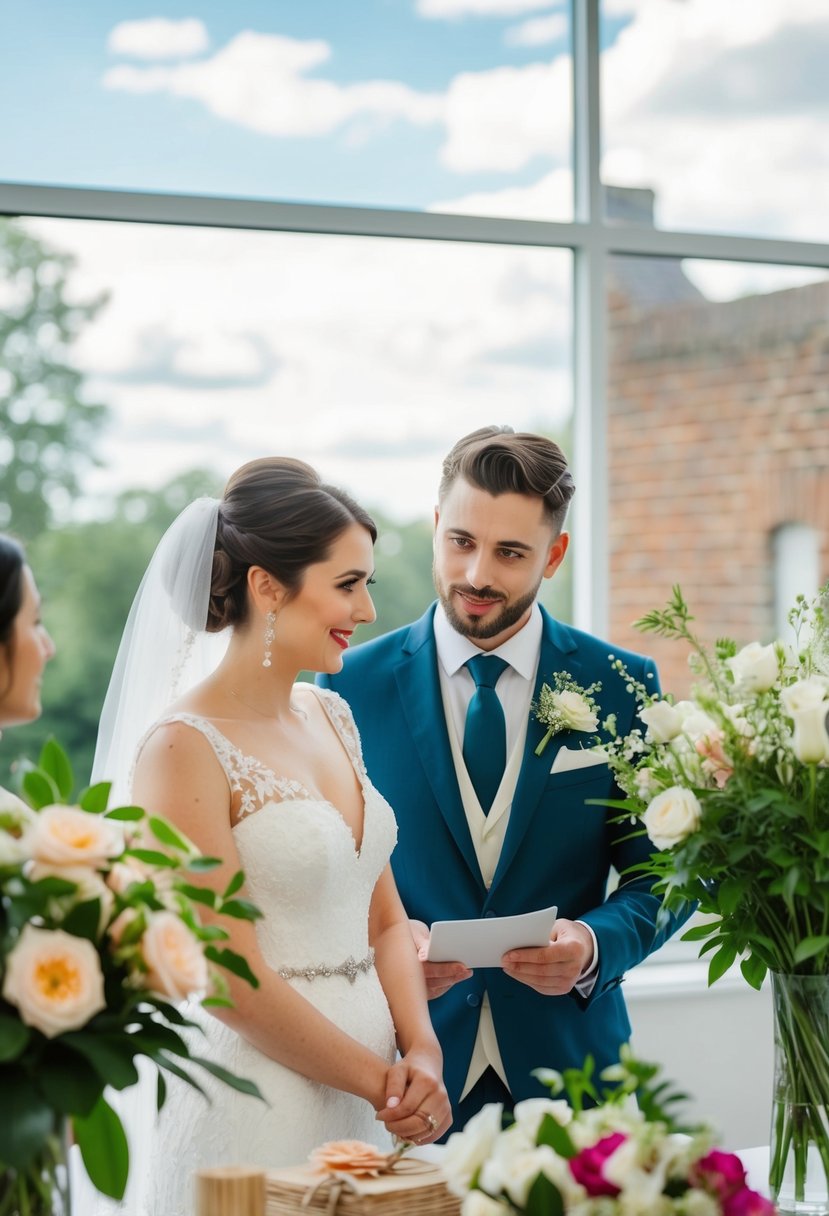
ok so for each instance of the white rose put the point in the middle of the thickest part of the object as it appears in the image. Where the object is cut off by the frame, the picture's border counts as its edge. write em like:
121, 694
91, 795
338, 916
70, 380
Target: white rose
530, 1112
810, 740
696, 724
66, 835
16, 819
804, 694
466, 1151
175, 958
476, 1203
575, 712
671, 816
89, 885
663, 720
515, 1171
54, 979
755, 668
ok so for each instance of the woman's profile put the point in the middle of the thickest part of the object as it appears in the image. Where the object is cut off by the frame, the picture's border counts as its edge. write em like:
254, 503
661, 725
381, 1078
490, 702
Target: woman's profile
25, 645
266, 773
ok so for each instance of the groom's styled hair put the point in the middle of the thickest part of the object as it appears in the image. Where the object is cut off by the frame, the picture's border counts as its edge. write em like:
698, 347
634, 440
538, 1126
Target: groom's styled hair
501, 461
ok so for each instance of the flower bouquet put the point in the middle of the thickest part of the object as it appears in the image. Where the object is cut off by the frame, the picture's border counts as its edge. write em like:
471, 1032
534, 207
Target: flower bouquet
611, 1159
99, 938
732, 786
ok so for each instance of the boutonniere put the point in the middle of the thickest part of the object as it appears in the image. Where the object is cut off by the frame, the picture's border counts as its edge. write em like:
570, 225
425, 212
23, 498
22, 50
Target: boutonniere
568, 706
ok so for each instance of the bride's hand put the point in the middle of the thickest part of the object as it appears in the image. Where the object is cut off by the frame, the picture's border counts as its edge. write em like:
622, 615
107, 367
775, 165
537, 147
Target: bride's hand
417, 1107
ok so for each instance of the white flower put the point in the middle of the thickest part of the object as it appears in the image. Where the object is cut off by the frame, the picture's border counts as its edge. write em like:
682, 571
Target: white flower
466, 1151
174, 957
576, 712
646, 784
696, 723
54, 979
804, 694
530, 1112
16, 820
89, 885
671, 816
663, 720
810, 740
755, 668
513, 1168
476, 1203
66, 835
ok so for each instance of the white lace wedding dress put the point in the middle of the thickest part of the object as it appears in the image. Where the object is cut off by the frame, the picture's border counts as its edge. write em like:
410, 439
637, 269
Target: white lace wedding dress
313, 885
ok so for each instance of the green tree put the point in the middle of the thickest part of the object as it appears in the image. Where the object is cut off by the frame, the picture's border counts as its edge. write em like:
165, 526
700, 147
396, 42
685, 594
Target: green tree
47, 429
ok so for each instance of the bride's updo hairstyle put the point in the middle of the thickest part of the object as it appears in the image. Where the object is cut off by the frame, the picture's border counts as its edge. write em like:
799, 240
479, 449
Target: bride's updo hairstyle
275, 513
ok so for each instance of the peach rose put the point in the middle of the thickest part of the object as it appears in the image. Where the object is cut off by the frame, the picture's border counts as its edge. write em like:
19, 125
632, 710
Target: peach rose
66, 835
349, 1157
54, 979
174, 957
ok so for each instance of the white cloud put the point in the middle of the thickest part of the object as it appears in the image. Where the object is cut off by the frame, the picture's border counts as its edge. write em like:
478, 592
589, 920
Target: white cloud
550, 198
259, 81
450, 10
159, 38
538, 31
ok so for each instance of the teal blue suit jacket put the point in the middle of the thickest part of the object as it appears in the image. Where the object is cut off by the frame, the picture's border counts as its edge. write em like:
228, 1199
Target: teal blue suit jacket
557, 850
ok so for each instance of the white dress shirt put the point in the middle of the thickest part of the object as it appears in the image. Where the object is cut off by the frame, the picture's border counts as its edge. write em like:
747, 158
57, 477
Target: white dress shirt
514, 690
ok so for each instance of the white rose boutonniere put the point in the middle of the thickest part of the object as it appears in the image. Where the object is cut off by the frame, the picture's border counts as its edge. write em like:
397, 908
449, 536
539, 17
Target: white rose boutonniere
567, 706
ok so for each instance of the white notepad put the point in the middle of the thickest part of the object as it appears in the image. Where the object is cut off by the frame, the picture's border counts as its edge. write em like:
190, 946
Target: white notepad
481, 943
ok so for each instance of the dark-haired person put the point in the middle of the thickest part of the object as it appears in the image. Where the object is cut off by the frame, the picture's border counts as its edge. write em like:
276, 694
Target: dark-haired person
25, 645
267, 774
486, 826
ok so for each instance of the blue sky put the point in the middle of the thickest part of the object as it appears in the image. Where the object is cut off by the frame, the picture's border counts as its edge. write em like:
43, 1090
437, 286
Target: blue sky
72, 129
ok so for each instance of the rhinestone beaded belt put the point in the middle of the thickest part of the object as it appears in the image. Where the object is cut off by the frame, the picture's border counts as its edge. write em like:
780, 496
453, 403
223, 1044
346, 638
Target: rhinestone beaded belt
351, 968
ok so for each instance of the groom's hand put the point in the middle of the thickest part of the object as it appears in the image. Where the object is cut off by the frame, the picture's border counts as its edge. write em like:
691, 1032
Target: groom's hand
553, 970
440, 977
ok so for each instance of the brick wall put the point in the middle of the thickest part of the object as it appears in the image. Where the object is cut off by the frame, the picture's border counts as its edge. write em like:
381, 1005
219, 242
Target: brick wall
718, 434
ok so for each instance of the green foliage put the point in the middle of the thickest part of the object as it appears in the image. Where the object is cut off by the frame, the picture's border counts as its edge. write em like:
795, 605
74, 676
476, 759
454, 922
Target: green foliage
48, 428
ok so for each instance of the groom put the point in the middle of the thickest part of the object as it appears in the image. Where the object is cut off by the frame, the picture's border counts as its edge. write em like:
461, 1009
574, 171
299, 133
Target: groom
445, 709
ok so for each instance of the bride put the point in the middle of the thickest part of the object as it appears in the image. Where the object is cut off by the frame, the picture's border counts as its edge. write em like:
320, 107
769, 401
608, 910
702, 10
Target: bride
267, 774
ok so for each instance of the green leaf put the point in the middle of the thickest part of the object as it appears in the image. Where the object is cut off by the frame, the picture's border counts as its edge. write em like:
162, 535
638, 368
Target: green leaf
153, 858
544, 1198
239, 1083
95, 797
200, 895
234, 885
25, 1119
809, 947
557, 1137
160, 1091
698, 933
126, 814
754, 971
242, 909
172, 1067
55, 764
13, 1037
167, 834
109, 1055
201, 865
104, 1148
83, 920
39, 789
70, 1083
232, 962
720, 963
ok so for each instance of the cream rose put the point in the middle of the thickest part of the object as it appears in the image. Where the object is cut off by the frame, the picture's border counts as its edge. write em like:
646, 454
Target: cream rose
476, 1203
671, 816
89, 885
54, 979
576, 713
174, 957
66, 835
663, 720
755, 668
16, 819
466, 1151
804, 694
810, 739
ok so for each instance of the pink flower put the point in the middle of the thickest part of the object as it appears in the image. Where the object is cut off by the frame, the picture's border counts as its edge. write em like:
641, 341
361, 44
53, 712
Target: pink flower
587, 1166
748, 1203
721, 1174
714, 760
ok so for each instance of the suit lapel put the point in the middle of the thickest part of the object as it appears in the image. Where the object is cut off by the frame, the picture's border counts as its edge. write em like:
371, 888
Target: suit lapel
419, 685
558, 653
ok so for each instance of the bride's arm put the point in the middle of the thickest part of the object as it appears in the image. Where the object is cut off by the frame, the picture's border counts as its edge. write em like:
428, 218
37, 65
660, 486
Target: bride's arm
416, 1080
178, 776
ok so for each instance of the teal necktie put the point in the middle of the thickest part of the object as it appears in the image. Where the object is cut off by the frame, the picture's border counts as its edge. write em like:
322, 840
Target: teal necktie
485, 731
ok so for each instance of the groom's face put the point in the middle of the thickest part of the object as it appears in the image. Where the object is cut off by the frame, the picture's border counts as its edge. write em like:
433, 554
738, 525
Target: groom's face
491, 553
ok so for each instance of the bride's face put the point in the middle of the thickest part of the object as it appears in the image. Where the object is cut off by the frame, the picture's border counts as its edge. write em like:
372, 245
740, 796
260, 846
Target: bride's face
316, 626
22, 666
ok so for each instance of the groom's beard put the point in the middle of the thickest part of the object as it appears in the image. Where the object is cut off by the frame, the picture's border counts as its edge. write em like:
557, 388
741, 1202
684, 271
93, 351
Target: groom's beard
469, 627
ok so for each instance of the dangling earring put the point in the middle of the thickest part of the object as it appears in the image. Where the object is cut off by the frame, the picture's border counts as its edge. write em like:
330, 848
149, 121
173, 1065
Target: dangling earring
270, 622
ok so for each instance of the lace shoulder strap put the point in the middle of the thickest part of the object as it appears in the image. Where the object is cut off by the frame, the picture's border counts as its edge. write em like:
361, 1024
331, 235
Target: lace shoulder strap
342, 719
248, 777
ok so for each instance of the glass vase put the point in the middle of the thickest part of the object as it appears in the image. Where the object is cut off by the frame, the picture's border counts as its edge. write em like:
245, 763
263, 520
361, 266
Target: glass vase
42, 1188
799, 1145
